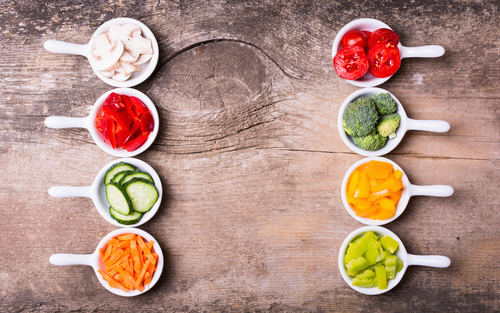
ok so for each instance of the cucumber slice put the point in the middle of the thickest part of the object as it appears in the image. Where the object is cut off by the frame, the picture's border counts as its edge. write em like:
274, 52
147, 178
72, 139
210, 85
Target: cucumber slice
136, 174
115, 169
142, 193
118, 177
130, 219
118, 198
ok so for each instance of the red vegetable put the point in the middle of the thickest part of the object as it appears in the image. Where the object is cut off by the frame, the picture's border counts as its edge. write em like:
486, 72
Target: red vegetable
138, 106
350, 62
384, 59
135, 143
114, 100
120, 117
147, 122
355, 38
125, 122
383, 35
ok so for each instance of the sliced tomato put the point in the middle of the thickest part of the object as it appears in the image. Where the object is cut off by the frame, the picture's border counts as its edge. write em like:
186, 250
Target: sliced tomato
355, 38
350, 62
367, 33
384, 59
383, 35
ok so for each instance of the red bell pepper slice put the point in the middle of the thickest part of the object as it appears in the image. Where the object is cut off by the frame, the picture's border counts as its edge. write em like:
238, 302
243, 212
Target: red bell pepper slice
114, 100
147, 122
120, 117
135, 143
101, 123
122, 136
139, 107
129, 108
109, 133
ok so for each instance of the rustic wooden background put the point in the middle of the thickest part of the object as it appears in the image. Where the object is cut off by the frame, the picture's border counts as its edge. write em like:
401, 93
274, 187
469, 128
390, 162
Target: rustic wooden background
250, 156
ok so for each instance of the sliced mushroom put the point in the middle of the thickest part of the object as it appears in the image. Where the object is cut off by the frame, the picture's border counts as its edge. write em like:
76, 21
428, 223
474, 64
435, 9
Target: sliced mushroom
109, 74
143, 58
141, 45
108, 61
120, 76
102, 45
126, 68
112, 32
126, 32
129, 56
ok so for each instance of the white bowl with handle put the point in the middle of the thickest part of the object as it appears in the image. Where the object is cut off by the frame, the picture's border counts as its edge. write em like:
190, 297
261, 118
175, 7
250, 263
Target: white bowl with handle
97, 191
407, 258
370, 24
405, 125
89, 123
95, 261
86, 50
409, 190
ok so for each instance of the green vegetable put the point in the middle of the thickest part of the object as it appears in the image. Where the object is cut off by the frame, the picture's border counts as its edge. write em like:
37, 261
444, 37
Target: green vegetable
389, 244
384, 103
132, 218
376, 264
360, 117
143, 194
115, 169
381, 277
388, 125
359, 247
356, 265
372, 142
118, 198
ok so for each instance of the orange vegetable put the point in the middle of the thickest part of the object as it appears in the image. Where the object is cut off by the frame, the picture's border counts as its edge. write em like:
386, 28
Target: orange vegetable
130, 262
374, 190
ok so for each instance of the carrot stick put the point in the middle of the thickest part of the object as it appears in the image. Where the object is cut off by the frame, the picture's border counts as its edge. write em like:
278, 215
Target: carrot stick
113, 242
107, 254
146, 250
143, 272
111, 281
101, 253
123, 244
126, 237
115, 257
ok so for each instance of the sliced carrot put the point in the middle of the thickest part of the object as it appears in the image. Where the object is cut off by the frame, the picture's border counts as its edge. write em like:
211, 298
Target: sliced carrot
127, 237
146, 250
130, 262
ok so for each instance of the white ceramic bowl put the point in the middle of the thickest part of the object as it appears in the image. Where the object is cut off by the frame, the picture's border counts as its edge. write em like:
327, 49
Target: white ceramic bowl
409, 190
402, 254
96, 262
97, 191
86, 51
88, 123
370, 24
405, 125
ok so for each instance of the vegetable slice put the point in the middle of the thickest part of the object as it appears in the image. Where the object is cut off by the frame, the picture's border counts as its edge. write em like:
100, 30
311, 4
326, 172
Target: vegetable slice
118, 198
143, 194
116, 168
129, 219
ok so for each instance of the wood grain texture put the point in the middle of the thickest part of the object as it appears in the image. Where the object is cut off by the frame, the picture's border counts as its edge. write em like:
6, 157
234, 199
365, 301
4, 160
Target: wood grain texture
250, 157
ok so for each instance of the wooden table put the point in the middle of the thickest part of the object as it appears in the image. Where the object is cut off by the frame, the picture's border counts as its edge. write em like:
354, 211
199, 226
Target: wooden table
250, 156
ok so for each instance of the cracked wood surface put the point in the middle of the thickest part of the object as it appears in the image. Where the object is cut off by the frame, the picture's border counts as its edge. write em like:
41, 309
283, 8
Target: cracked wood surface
250, 156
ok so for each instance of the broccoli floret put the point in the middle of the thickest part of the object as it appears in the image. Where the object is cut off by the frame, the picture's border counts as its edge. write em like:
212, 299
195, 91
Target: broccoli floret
388, 125
372, 142
384, 103
360, 117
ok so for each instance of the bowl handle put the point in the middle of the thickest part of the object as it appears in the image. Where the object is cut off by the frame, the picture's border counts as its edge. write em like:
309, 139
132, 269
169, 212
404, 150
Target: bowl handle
63, 259
68, 191
428, 125
66, 122
429, 260
57, 46
432, 51
433, 190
